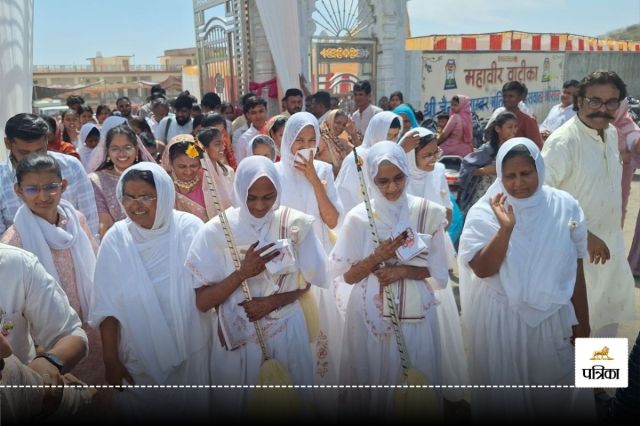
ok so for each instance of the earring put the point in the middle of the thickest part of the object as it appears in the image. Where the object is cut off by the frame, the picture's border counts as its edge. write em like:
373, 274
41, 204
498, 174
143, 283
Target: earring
108, 159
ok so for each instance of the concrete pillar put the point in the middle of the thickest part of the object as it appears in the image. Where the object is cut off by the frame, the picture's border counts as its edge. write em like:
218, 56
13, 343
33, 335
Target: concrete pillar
390, 31
263, 67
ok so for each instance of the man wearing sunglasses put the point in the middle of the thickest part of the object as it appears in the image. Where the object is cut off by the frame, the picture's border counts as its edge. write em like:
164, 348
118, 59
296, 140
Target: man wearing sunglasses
26, 134
581, 157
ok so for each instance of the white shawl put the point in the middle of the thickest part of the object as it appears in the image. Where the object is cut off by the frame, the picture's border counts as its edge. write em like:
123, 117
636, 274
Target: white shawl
126, 287
40, 237
539, 272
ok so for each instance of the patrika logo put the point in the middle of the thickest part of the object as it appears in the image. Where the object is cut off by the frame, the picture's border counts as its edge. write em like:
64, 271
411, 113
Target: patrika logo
602, 354
601, 363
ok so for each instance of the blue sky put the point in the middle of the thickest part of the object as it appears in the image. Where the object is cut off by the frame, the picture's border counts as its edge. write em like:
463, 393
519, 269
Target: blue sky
69, 31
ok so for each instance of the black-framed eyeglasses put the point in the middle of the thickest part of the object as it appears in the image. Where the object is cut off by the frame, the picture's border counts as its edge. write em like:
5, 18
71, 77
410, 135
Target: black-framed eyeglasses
596, 103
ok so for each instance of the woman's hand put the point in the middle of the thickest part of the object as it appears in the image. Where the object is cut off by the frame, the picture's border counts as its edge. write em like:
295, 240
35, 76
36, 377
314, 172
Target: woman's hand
389, 275
504, 214
410, 140
258, 307
387, 248
254, 263
598, 250
305, 165
580, 330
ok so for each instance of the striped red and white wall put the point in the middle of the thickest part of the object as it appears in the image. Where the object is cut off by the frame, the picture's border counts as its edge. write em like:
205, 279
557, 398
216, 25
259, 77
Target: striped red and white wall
519, 41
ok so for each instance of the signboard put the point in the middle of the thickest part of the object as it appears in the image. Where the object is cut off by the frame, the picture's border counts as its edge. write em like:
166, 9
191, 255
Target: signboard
482, 75
344, 53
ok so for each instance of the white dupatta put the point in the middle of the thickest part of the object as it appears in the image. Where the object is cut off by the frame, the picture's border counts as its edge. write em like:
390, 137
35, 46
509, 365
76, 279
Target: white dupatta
40, 237
125, 286
539, 271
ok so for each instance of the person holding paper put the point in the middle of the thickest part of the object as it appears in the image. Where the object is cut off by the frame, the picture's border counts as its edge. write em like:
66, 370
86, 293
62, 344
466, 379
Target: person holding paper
282, 259
412, 260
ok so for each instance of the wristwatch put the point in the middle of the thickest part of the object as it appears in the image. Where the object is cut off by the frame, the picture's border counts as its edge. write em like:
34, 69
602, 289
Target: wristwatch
53, 360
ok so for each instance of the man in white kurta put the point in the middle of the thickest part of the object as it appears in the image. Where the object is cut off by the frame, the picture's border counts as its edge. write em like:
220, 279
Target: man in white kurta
33, 306
582, 158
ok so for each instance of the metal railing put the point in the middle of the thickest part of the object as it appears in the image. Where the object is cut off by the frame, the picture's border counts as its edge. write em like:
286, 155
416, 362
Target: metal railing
105, 68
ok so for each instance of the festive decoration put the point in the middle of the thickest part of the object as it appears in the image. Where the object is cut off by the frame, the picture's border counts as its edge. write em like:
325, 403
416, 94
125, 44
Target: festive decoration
272, 85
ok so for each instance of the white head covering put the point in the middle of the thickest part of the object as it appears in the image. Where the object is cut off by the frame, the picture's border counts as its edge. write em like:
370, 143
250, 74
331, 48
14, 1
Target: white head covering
86, 129
40, 237
387, 212
538, 273
99, 153
249, 171
378, 128
132, 263
165, 202
294, 126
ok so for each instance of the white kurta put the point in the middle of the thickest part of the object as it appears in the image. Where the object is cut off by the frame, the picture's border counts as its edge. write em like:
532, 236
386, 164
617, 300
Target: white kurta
34, 303
581, 163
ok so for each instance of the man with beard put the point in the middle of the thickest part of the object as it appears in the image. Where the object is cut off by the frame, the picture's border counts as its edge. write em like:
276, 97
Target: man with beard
581, 157
292, 102
180, 124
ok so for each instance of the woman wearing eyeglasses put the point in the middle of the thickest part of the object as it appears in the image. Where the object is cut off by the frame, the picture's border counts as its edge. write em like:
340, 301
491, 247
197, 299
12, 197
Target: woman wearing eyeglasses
119, 150
53, 230
145, 302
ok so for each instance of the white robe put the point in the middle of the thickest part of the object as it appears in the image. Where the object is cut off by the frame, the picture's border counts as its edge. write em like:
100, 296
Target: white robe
519, 321
285, 329
370, 356
141, 281
580, 162
433, 187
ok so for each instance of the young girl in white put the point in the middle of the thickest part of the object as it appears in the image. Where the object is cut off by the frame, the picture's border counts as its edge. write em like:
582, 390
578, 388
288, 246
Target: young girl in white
427, 180
307, 185
258, 223
370, 354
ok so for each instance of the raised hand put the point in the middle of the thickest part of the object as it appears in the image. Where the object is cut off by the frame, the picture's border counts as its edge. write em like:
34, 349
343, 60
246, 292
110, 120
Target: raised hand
305, 165
504, 214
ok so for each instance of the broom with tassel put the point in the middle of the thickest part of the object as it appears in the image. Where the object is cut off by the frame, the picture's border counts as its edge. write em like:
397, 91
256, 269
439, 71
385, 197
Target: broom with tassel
416, 400
264, 402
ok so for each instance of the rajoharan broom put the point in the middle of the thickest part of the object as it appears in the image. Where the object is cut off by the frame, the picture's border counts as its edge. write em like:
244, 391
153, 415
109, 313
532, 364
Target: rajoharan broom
264, 402
418, 399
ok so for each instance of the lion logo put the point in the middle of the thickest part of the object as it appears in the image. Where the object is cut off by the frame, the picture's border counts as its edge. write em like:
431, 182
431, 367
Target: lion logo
602, 354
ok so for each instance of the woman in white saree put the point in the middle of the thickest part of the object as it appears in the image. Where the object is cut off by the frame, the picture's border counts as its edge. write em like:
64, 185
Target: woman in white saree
145, 306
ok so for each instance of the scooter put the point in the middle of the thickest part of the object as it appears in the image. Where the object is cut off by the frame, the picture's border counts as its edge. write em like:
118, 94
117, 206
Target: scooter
452, 165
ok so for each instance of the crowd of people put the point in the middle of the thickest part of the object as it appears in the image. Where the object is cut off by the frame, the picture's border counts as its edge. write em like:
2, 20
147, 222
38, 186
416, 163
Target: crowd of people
186, 244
